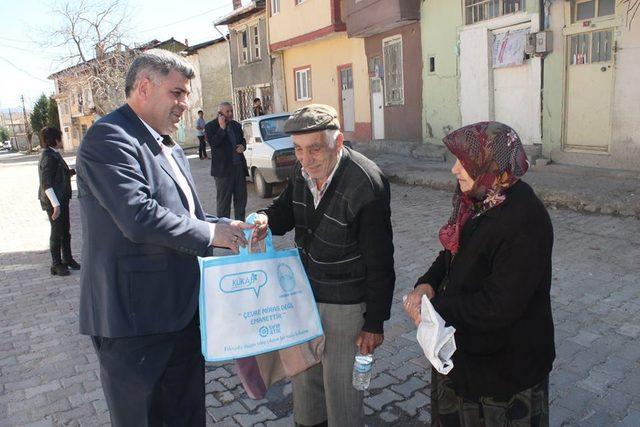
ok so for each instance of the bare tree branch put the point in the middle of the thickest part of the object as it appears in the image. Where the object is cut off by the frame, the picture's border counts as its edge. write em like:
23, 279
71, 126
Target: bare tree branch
94, 33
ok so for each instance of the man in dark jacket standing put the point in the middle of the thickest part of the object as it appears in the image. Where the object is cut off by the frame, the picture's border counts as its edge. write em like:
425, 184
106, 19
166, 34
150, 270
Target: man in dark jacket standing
337, 201
228, 165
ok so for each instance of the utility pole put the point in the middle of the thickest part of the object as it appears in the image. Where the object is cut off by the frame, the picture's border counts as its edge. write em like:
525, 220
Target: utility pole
27, 127
13, 130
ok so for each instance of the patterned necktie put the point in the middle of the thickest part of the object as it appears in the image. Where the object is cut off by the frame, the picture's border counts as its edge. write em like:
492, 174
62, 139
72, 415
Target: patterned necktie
168, 141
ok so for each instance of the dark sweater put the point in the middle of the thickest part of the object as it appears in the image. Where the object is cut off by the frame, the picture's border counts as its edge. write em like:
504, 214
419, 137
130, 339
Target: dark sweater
495, 292
346, 243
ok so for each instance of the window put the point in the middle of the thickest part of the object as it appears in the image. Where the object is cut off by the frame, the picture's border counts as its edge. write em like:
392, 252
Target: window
273, 128
243, 47
303, 84
275, 7
255, 42
582, 10
393, 78
593, 47
481, 10
299, 2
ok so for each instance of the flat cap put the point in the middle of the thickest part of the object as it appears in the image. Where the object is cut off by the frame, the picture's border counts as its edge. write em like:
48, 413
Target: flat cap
312, 118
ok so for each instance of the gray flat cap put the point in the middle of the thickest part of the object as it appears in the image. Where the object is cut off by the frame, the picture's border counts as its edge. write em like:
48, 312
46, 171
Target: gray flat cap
312, 118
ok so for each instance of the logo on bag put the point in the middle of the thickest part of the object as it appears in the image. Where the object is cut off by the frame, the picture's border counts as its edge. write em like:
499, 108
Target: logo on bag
285, 278
250, 280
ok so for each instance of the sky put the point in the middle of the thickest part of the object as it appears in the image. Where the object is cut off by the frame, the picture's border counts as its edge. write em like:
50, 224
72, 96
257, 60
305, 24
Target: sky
25, 64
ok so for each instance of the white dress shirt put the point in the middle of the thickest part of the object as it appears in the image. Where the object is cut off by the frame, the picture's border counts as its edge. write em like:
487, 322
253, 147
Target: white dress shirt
167, 152
312, 183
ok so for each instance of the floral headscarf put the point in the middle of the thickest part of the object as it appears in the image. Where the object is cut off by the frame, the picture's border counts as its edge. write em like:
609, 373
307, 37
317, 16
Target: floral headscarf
493, 156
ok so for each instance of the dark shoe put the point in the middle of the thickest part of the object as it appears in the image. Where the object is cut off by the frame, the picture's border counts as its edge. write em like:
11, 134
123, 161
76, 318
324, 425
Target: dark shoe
72, 265
59, 270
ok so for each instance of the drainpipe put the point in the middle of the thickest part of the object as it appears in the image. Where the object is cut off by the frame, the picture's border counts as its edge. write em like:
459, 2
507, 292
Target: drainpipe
544, 25
230, 69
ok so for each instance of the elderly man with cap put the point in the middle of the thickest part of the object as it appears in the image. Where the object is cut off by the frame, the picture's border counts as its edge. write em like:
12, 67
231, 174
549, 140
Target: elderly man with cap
337, 201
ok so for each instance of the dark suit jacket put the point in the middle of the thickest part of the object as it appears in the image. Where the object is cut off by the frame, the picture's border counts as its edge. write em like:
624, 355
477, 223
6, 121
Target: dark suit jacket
140, 273
495, 292
222, 147
53, 173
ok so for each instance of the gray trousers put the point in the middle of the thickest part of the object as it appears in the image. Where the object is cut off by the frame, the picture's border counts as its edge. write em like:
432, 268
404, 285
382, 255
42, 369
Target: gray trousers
325, 391
228, 187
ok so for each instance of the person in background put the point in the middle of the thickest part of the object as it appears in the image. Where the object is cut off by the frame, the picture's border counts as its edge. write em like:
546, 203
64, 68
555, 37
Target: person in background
54, 194
492, 283
202, 143
228, 164
257, 108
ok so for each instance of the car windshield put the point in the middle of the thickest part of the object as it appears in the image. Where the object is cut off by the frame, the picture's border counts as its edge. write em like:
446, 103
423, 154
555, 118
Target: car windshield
273, 128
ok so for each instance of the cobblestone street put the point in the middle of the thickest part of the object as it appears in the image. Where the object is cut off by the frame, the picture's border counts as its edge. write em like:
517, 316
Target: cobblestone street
49, 373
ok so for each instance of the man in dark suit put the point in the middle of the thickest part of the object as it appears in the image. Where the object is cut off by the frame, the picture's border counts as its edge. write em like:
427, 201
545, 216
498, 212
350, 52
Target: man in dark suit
228, 164
143, 228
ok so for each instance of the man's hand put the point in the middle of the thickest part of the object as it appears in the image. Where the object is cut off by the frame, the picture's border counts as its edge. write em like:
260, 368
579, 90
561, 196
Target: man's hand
240, 148
413, 302
262, 225
367, 342
56, 213
222, 121
231, 235
72, 172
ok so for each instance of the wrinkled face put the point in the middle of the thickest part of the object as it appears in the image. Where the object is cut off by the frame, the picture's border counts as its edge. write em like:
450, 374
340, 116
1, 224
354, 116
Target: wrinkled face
227, 112
465, 181
315, 155
165, 100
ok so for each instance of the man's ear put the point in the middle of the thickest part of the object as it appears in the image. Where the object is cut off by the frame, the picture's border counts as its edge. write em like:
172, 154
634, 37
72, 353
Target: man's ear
144, 85
340, 140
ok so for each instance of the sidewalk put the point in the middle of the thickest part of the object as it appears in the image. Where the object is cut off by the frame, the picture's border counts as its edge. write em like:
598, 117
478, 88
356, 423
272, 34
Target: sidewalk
582, 189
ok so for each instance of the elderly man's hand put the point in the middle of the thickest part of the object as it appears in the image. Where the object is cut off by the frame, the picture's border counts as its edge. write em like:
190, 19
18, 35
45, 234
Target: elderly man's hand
413, 302
231, 235
367, 342
262, 225
240, 148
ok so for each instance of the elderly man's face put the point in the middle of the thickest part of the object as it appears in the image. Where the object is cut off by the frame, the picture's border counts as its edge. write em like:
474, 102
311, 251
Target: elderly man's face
166, 101
227, 112
315, 154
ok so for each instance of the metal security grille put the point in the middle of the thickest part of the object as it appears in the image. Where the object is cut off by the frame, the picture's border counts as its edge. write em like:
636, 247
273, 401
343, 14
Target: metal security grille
481, 10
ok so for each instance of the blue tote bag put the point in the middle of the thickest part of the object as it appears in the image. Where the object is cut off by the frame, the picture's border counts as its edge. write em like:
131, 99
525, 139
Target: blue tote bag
254, 303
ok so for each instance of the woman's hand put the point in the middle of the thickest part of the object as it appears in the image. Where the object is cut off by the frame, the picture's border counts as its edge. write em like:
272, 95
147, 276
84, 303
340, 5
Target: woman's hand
413, 301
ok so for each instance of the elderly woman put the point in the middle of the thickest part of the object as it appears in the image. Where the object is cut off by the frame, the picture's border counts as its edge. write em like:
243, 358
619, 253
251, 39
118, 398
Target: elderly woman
491, 282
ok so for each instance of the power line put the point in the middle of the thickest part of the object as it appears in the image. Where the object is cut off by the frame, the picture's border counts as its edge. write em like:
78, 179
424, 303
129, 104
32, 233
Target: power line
23, 71
182, 20
16, 40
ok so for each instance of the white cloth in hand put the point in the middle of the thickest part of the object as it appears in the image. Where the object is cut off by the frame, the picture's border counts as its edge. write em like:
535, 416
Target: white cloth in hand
436, 339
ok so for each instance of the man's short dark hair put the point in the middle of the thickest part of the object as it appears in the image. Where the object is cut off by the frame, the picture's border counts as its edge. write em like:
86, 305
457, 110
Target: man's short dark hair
200, 112
49, 136
154, 63
256, 100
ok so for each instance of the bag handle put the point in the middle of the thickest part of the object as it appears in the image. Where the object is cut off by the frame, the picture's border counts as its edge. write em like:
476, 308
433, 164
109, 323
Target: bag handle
266, 245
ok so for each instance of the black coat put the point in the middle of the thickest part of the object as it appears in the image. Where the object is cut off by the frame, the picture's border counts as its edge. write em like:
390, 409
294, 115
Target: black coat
222, 147
495, 292
54, 173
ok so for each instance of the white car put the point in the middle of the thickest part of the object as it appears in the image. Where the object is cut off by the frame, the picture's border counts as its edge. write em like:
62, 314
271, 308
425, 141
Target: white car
270, 154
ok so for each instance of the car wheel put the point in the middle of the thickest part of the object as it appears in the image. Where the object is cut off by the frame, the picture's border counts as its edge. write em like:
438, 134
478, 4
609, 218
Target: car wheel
263, 188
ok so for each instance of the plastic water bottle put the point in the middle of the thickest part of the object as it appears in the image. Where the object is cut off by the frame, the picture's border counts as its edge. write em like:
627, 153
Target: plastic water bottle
362, 366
